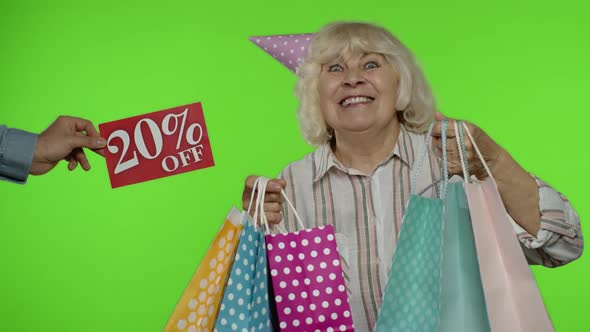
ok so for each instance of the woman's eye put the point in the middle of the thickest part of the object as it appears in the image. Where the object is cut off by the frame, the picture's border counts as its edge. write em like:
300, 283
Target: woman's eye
334, 68
371, 65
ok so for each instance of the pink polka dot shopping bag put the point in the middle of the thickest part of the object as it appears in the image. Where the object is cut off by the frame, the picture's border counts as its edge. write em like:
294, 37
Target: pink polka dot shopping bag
198, 306
307, 280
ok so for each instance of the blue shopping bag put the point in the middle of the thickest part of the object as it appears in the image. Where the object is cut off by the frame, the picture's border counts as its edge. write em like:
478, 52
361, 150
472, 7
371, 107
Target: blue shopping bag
434, 284
245, 304
462, 300
411, 297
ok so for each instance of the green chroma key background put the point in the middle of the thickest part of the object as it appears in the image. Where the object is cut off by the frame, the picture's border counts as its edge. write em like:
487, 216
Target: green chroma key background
76, 255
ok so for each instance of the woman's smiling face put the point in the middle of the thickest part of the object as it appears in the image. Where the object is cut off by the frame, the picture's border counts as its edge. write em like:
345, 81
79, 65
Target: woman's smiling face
358, 94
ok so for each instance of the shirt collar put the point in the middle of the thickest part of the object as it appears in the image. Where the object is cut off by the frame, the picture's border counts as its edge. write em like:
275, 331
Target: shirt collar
324, 158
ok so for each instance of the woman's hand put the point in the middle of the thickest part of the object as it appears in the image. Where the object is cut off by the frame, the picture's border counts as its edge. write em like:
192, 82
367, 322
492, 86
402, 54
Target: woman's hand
273, 200
517, 188
492, 153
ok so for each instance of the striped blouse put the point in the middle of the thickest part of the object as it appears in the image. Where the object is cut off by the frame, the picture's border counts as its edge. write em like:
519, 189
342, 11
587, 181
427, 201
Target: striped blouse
367, 212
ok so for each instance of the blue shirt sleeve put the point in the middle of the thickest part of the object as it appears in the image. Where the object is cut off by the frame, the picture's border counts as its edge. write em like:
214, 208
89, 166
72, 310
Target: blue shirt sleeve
16, 154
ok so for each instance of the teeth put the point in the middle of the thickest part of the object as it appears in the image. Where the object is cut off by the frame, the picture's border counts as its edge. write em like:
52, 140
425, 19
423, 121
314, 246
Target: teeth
355, 100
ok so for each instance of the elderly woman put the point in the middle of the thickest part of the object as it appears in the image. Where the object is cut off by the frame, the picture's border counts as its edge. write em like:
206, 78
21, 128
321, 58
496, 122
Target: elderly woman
366, 106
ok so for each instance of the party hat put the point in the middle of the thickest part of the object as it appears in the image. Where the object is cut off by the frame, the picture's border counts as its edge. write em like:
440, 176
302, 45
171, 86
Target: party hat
288, 49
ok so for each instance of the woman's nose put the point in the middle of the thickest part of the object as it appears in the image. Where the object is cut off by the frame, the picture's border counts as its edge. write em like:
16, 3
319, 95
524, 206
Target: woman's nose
353, 78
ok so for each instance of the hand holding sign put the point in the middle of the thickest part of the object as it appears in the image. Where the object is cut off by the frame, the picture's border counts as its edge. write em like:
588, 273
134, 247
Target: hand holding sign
156, 145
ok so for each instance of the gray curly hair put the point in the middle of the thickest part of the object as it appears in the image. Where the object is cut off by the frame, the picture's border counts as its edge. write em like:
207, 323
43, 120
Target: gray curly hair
415, 103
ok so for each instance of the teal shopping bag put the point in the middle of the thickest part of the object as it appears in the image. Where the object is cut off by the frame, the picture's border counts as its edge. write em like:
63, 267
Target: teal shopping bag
462, 301
245, 304
411, 297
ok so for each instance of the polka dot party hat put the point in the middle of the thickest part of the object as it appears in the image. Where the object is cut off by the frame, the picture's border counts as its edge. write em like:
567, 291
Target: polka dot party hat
290, 50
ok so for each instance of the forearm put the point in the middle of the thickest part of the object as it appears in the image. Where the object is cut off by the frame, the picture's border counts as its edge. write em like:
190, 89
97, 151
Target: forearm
519, 192
16, 154
544, 221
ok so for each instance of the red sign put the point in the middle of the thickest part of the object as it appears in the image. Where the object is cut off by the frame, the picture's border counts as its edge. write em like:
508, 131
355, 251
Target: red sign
155, 145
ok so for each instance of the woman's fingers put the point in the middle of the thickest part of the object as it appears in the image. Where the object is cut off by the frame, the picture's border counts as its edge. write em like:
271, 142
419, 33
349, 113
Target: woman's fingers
489, 149
454, 161
437, 132
275, 186
250, 181
273, 207
451, 145
248, 189
272, 197
273, 217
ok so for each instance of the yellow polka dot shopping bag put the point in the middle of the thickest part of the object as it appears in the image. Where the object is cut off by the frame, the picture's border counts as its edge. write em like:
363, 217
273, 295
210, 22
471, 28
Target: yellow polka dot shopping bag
245, 304
197, 309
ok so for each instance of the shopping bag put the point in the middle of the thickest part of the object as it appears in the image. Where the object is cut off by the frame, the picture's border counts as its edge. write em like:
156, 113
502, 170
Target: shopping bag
412, 295
198, 305
411, 298
245, 304
462, 301
307, 280
512, 297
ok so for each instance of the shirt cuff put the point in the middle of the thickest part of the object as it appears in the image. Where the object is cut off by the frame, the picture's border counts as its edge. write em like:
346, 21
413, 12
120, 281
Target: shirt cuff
17, 148
553, 219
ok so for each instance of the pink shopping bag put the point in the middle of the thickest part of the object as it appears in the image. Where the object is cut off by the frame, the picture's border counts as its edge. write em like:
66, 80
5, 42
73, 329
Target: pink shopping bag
307, 280
512, 297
